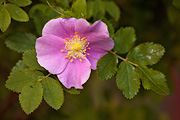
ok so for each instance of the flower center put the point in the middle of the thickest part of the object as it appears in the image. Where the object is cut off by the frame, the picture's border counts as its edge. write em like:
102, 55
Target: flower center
76, 47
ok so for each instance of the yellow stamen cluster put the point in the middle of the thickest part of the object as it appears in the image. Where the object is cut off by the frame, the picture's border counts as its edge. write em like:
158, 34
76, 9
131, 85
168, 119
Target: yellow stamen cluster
76, 47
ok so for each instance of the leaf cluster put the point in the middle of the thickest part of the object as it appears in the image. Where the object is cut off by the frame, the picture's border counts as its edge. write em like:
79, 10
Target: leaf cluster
33, 83
95, 9
29, 79
133, 69
12, 10
41, 13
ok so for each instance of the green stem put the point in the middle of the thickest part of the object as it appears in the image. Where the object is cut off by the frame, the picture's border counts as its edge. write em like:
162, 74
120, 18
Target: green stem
53, 8
45, 77
123, 58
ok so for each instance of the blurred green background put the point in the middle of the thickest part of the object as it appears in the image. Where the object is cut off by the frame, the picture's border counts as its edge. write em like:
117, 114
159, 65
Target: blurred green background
154, 20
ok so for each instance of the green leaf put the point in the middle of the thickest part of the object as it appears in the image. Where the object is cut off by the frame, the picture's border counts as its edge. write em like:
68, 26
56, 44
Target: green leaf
107, 66
57, 9
18, 79
40, 19
19, 66
110, 27
124, 39
53, 92
73, 91
67, 14
5, 18
41, 7
49, 12
146, 54
63, 3
79, 9
153, 79
90, 6
127, 80
112, 9
17, 13
20, 42
21, 3
99, 9
176, 3
31, 96
29, 57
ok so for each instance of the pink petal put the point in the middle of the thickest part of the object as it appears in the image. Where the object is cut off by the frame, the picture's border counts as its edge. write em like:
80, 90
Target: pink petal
99, 27
49, 53
100, 42
94, 57
82, 26
69, 25
61, 27
75, 74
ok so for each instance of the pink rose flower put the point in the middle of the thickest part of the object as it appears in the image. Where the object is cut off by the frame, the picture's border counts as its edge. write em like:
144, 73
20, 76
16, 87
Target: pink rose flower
71, 47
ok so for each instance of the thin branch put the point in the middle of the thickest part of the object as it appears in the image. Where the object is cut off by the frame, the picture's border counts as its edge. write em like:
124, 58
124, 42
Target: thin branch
52, 7
123, 58
45, 77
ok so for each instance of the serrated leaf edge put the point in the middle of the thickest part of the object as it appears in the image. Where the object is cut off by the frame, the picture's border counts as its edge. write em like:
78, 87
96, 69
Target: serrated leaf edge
153, 82
28, 51
128, 90
112, 73
17, 65
10, 76
152, 44
8, 79
124, 28
53, 101
39, 103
